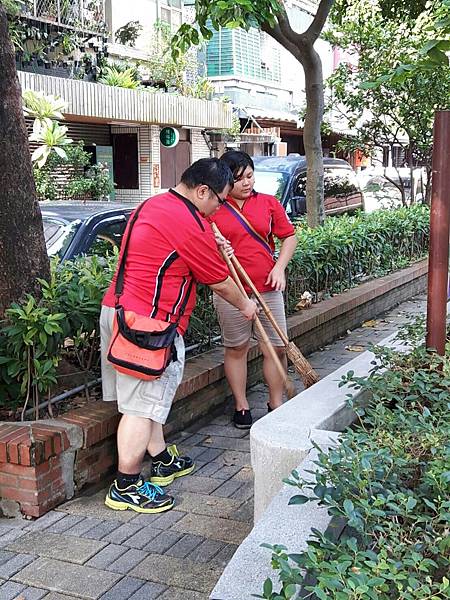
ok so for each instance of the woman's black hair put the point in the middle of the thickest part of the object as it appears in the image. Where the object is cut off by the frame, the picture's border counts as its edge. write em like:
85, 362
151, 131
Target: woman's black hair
208, 171
237, 161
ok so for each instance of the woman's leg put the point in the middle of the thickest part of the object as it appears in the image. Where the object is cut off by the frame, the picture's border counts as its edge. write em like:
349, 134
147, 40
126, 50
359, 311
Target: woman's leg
235, 364
272, 376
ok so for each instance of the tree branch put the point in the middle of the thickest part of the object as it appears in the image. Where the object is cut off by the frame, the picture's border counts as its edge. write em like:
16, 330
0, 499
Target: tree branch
315, 29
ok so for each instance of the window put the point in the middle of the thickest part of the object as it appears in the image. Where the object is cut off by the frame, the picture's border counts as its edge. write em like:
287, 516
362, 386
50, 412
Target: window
125, 157
107, 236
171, 13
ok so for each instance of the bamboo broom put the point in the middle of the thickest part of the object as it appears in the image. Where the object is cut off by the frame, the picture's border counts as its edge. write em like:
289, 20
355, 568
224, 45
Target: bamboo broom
301, 365
287, 382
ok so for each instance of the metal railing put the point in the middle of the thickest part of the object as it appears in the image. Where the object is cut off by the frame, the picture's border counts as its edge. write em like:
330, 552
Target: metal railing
84, 15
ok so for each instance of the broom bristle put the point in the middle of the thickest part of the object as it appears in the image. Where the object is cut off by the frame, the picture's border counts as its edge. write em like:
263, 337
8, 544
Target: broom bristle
302, 366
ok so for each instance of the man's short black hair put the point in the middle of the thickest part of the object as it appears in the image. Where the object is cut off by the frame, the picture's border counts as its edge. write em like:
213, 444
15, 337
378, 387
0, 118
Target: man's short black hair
208, 171
238, 161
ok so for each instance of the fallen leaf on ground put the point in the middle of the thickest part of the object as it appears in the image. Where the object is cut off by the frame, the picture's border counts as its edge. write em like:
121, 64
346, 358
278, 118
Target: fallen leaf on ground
207, 441
370, 323
355, 348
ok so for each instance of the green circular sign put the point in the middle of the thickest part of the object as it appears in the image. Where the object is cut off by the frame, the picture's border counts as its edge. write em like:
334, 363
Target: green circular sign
169, 137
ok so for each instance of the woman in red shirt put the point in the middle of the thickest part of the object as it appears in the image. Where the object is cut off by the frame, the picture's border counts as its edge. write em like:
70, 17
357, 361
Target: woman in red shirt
249, 221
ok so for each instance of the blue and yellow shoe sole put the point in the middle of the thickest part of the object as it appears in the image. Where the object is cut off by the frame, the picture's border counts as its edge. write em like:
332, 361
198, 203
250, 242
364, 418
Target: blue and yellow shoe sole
163, 481
116, 505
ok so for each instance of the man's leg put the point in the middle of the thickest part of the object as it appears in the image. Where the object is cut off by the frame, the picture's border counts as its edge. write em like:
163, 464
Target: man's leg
133, 437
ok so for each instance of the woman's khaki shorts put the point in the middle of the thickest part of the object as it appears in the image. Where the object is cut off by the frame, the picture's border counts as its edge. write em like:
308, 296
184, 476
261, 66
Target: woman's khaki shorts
136, 397
237, 330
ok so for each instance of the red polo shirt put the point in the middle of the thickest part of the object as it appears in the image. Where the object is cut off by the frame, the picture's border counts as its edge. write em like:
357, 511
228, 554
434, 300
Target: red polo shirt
171, 244
269, 219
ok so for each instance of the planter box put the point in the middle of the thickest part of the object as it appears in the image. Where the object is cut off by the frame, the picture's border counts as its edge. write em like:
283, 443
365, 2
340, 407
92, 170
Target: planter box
43, 463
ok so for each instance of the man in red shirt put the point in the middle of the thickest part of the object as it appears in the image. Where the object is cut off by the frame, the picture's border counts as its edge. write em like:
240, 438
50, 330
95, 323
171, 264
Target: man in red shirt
171, 248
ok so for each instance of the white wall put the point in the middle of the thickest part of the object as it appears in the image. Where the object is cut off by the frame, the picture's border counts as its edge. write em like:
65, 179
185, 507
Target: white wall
144, 11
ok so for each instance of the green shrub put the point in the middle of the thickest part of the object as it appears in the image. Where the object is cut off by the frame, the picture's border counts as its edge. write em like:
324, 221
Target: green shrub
389, 479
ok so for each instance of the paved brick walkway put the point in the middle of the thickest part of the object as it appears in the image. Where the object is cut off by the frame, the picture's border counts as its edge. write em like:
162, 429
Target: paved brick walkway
84, 550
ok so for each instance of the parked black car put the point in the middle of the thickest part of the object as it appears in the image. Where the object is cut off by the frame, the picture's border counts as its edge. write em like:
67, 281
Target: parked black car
285, 178
74, 228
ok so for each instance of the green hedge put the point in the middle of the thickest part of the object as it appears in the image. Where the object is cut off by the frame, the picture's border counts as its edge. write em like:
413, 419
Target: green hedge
389, 479
344, 252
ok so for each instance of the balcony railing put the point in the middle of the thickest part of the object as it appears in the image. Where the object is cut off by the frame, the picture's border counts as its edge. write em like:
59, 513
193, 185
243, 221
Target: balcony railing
84, 15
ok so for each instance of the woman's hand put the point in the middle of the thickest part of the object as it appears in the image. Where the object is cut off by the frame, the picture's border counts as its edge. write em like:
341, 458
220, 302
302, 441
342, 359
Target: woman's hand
224, 244
277, 278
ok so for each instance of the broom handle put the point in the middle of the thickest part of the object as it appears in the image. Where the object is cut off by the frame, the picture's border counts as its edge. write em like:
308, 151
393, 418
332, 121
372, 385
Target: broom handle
259, 326
242, 272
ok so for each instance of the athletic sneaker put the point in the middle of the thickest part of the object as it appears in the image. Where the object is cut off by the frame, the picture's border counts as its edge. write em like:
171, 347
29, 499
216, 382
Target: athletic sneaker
142, 497
242, 419
164, 473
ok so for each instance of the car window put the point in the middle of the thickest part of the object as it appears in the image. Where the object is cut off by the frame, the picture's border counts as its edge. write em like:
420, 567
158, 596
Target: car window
337, 182
107, 236
58, 235
271, 182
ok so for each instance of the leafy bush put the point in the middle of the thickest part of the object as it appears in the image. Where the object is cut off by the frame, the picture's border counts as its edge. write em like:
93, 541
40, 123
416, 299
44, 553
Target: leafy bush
36, 335
389, 479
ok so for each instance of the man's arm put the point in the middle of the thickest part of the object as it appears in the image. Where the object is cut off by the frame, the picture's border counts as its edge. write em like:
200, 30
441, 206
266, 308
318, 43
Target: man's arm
230, 292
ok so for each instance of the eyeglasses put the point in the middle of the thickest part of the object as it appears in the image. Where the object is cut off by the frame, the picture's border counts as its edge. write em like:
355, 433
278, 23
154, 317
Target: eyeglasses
219, 199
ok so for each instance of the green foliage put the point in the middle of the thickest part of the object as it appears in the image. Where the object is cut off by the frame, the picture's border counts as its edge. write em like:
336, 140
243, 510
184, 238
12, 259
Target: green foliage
37, 334
128, 33
389, 480
382, 110
126, 78
350, 249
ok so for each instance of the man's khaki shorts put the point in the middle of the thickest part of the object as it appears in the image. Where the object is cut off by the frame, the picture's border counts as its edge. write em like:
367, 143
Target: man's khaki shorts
237, 330
136, 397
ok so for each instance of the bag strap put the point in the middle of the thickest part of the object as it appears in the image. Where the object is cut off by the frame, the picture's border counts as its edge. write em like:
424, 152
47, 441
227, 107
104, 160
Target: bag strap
248, 227
118, 290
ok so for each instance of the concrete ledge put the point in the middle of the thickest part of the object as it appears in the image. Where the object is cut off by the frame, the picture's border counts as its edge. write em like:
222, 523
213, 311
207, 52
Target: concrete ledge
280, 442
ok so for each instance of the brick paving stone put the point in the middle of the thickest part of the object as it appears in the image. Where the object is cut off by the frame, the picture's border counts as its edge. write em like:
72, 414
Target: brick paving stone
206, 551
148, 591
57, 596
221, 420
192, 440
164, 541
245, 512
223, 557
94, 506
64, 524
31, 593
83, 527
123, 589
167, 519
245, 492
227, 472
245, 474
195, 483
46, 520
142, 537
4, 529
106, 556
127, 561
104, 528
178, 572
214, 528
201, 504
62, 547
5, 556
211, 429
227, 489
185, 546
10, 590
209, 454
232, 458
67, 578
11, 536
208, 469
179, 594
15, 564
122, 533
226, 443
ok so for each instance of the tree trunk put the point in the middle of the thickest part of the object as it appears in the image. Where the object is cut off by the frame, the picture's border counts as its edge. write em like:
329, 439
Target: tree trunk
23, 255
312, 140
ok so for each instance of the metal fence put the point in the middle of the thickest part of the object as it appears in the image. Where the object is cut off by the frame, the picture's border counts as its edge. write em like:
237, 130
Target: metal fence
85, 15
